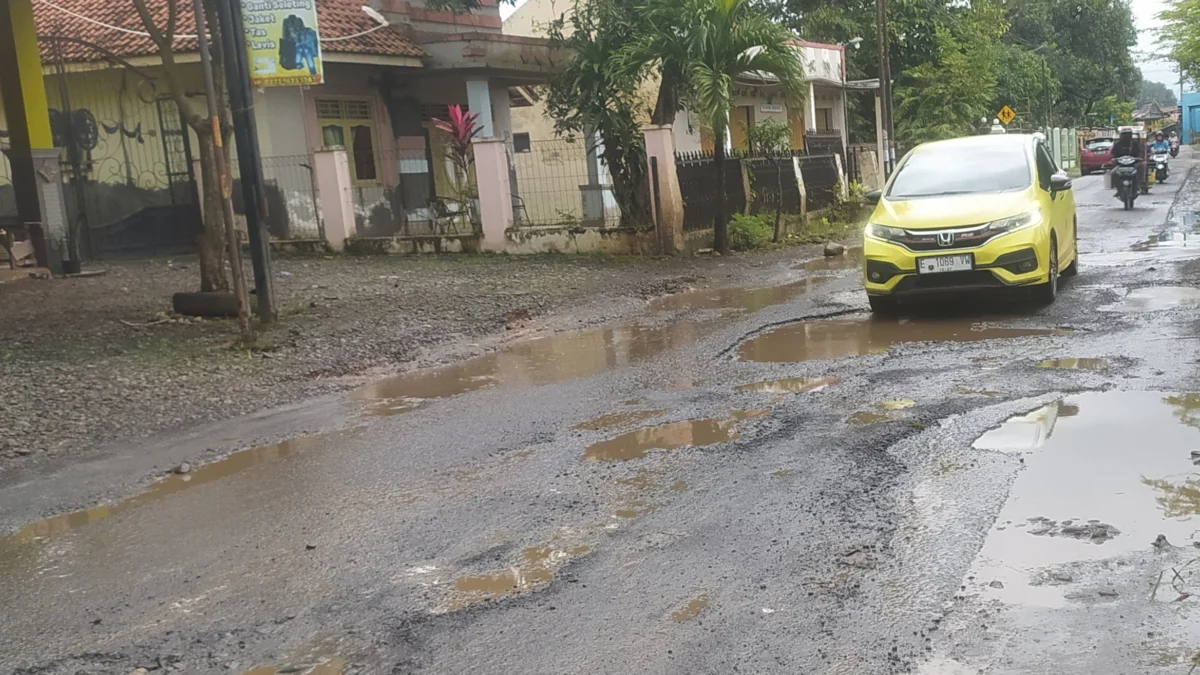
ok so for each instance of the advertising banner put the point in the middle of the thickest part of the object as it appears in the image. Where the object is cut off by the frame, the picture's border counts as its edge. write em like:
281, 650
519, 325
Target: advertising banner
282, 42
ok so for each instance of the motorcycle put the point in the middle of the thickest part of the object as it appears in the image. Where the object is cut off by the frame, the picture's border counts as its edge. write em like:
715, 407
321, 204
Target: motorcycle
1124, 177
1159, 161
1174, 147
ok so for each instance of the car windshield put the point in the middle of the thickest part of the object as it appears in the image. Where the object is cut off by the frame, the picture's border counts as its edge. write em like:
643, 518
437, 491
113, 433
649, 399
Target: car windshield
961, 169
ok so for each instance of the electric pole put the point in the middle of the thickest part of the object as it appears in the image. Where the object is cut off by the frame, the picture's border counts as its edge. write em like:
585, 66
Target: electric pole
245, 132
885, 82
214, 117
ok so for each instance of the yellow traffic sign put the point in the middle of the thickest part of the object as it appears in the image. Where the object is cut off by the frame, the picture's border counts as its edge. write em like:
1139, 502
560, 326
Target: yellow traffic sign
1006, 115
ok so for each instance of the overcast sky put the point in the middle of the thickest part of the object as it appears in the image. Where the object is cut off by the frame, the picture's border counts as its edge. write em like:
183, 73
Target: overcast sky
1145, 14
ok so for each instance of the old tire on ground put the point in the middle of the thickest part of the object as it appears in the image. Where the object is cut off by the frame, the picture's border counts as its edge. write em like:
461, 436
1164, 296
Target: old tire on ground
213, 304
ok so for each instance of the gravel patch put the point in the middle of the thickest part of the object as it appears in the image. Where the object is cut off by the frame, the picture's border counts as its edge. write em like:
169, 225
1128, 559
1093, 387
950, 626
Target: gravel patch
77, 375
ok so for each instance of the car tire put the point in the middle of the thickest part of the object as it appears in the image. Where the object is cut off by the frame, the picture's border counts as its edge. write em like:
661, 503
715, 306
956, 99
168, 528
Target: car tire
1073, 269
1048, 292
882, 305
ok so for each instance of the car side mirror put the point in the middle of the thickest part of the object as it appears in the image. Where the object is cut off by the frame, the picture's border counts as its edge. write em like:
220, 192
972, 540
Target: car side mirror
873, 196
1059, 182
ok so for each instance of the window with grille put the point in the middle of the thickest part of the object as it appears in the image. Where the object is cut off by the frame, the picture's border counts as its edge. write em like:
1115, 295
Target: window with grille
347, 123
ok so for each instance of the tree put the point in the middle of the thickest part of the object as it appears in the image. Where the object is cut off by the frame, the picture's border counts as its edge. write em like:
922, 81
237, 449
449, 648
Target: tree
711, 43
211, 242
1157, 92
1180, 34
594, 93
773, 139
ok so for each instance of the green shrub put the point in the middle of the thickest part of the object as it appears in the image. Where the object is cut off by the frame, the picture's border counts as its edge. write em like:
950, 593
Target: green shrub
749, 232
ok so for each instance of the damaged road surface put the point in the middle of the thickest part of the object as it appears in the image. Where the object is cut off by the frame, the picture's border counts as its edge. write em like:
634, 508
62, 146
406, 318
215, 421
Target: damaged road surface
756, 480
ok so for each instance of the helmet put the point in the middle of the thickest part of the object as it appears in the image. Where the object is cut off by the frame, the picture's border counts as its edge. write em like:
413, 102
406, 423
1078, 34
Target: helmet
1159, 135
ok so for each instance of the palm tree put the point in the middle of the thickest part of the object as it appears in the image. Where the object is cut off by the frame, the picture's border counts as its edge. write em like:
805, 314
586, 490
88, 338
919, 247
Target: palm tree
713, 43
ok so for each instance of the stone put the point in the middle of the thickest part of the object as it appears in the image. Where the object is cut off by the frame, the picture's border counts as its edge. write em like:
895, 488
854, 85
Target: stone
834, 249
183, 468
997, 584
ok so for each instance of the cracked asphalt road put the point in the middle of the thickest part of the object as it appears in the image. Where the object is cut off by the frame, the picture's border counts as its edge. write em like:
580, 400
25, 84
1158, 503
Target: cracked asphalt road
735, 480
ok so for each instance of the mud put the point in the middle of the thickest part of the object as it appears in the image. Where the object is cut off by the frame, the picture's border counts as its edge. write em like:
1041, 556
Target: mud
1074, 364
618, 419
790, 385
865, 417
46, 528
690, 610
736, 298
896, 404
831, 339
534, 569
671, 436
538, 362
319, 657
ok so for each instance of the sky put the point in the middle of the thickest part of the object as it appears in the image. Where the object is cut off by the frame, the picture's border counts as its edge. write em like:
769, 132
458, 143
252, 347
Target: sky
1145, 15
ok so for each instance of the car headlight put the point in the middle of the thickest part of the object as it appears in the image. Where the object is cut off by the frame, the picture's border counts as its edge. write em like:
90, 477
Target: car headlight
1014, 223
886, 233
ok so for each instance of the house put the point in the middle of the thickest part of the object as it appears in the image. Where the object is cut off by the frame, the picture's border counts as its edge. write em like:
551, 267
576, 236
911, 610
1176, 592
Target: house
129, 163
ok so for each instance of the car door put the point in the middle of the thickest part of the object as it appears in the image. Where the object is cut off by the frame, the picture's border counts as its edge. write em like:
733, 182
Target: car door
1059, 206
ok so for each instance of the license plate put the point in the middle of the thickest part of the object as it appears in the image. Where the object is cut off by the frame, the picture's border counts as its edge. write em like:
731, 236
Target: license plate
946, 263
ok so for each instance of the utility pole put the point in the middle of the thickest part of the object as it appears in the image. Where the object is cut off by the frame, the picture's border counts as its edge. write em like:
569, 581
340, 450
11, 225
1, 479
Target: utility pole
231, 242
1046, 90
885, 82
245, 131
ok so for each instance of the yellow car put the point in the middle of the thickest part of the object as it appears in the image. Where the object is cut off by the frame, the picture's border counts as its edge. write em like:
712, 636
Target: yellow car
971, 213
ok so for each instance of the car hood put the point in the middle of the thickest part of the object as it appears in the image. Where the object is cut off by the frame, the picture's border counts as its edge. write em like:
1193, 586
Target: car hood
931, 213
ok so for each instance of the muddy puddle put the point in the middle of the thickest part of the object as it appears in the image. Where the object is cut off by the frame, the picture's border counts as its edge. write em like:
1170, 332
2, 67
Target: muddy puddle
1104, 474
736, 298
671, 436
319, 657
618, 419
790, 385
863, 418
534, 569
1155, 298
1175, 244
691, 610
836, 338
178, 482
1074, 364
541, 361
851, 259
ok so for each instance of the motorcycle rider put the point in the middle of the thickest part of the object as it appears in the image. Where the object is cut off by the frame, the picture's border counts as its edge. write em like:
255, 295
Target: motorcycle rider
1127, 145
1160, 144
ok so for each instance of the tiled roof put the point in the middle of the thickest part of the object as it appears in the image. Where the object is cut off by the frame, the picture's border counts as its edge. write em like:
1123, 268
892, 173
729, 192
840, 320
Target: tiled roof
62, 17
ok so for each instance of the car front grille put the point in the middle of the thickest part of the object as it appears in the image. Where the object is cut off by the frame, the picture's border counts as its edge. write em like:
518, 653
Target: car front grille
936, 240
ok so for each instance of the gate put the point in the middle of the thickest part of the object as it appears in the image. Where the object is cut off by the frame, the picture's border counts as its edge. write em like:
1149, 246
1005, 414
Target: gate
126, 159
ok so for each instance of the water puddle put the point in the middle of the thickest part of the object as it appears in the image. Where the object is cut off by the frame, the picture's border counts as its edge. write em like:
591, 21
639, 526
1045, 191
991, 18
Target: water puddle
790, 385
317, 658
671, 436
1074, 364
542, 361
1155, 298
238, 461
782, 473
836, 338
897, 404
534, 569
1171, 245
864, 417
1114, 470
690, 610
618, 419
851, 259
737, 298
743, 415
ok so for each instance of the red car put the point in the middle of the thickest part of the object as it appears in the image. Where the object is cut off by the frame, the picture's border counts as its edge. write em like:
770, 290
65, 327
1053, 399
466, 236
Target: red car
1095, 154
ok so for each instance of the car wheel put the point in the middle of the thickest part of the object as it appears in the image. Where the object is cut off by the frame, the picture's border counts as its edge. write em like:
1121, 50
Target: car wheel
882, 304
1047, 292
1073, 268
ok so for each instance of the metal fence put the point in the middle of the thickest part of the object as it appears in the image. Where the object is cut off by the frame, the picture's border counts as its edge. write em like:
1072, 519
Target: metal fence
293, 205
415, 196
772, 184
697, 174
820, 180
554, 186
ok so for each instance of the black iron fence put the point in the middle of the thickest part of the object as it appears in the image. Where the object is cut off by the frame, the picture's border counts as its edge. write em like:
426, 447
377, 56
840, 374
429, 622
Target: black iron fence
555, 185
293, 205
697, 174
772, 184
821, 180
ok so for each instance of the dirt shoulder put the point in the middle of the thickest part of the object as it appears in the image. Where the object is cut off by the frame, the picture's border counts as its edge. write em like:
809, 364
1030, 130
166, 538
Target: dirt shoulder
89, 361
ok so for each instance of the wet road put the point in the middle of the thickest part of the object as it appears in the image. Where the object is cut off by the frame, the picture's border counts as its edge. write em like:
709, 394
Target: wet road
736, 480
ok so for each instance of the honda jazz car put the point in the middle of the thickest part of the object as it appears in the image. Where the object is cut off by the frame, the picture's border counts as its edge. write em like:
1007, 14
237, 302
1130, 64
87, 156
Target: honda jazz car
967, 214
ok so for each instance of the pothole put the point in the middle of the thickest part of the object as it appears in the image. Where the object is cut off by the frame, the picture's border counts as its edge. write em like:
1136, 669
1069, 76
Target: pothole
671, 436
836, 338
790, 385
1074, 364
1155, 298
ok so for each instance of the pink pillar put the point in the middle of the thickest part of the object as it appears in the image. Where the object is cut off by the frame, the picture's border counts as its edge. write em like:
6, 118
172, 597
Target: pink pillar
660, 144
331, 172
495, 191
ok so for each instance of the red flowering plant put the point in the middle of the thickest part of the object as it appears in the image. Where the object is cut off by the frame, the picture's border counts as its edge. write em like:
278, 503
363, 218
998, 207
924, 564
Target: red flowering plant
462, 128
